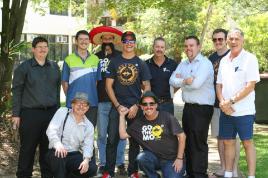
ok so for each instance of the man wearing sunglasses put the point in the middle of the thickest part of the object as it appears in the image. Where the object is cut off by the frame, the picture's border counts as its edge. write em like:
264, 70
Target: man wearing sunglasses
125, 77
195, 77
219, 39
161, 137
237, 76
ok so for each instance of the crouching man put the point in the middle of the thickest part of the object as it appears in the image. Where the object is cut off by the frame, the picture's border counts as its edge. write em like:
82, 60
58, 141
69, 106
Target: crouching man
71, 137
160, 136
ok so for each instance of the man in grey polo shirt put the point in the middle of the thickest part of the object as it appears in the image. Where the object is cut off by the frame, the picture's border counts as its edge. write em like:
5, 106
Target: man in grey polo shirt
195, 77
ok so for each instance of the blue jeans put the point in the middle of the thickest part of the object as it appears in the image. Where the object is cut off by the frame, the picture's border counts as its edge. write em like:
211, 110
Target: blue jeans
149, 163
167, 106
102, 124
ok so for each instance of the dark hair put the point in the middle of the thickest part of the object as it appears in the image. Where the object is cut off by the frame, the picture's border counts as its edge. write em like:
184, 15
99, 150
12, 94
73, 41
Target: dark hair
159, 39
84, 32
103, 46
220, 30
193, 37
38, 39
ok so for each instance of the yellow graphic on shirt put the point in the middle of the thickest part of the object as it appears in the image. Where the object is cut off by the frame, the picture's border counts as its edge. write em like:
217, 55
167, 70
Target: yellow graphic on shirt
127, 74
157, 131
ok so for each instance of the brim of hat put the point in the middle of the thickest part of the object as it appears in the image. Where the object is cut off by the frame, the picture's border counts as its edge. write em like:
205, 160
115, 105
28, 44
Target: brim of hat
96, 34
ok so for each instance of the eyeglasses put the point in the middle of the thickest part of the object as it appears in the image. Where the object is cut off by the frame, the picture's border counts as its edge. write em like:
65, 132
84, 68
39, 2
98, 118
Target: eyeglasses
148, 104
41, 47
83, 104
128, 42
217, 39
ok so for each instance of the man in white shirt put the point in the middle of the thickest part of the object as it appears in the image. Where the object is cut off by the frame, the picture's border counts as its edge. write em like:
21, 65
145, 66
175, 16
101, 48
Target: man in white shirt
238, 73
71, 137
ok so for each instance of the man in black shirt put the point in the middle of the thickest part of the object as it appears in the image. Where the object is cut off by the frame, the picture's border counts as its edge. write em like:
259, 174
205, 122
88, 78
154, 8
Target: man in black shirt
161, 68
125, 76
219, 39
36, 97
161, 137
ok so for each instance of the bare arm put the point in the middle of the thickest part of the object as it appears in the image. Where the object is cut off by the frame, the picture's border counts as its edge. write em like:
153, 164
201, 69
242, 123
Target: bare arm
178, 163
122, 124
65, 86
250, 86
146, 85
110, 91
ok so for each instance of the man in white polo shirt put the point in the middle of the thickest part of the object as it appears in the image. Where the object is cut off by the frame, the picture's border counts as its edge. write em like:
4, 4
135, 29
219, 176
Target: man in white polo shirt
238, 73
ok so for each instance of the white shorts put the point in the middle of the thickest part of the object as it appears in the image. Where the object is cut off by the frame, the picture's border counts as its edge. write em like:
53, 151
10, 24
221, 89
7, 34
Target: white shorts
215, 122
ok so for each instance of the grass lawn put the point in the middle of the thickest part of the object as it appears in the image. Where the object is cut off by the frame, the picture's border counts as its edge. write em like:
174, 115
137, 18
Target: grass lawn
261, 142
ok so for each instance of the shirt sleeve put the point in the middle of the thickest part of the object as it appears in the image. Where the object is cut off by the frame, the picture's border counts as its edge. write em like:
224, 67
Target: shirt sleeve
17, 89
65, 72
87, 145
219, 75
54, 127
201, 76
175, 125
145, 72
175, 81
252, 69
111, 71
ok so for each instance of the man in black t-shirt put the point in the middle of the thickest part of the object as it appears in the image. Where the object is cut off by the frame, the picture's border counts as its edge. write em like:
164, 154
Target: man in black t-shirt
160, 136
125, 76
219, 39
161, 68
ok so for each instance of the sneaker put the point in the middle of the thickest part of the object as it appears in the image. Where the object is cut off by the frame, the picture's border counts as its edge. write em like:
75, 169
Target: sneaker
121, 170
106, 175
134, 175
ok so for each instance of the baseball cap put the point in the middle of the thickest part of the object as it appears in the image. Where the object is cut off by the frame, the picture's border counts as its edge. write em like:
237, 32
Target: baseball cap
128, 35
81, 96
148, 94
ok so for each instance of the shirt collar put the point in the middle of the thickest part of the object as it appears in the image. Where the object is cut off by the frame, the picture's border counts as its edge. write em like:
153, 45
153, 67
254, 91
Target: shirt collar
88, 54
83, 122
151, 60
35, 63
197, 58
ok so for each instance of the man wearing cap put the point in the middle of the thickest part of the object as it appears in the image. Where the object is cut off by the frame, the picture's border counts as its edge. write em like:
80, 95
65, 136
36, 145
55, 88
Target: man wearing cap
69, 132
153, 130
125, 76
195, 76
81, 72
161, 68
106, 36
237, 76
35, 99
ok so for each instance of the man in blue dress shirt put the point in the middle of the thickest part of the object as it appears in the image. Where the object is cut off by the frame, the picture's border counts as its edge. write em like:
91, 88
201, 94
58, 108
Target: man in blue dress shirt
195, 77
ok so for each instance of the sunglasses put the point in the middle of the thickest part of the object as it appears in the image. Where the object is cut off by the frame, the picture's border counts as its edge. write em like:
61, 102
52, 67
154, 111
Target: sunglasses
128, 42
148, 104
217, 39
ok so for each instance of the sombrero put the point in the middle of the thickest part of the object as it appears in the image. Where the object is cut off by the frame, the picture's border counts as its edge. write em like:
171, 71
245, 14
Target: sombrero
96, 33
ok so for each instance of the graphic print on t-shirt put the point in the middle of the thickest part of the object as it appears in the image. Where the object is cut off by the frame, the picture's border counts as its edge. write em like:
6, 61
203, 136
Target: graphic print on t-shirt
127, 73
150, 132
104, 64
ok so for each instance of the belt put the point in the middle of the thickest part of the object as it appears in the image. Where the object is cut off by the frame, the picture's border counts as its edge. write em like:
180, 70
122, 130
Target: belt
164, 100
196, 104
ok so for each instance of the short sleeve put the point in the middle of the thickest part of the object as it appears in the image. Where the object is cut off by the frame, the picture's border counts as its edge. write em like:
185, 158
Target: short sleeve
65, 72
219, 76
252, 69
111, 70
145, 72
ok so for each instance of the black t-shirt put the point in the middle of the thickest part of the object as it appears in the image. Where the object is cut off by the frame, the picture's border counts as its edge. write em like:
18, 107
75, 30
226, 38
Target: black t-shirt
160, 77
157, 136
128, 75
104, 62
216, 59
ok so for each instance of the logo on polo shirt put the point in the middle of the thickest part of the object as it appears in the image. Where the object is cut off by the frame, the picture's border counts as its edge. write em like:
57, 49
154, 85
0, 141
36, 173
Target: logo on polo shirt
166, 70
127, 74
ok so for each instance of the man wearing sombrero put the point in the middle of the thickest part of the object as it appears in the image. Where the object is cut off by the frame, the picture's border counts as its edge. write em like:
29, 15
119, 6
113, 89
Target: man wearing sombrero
106, 37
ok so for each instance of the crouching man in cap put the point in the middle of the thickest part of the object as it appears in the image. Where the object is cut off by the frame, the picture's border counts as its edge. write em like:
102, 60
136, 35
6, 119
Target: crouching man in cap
161, 137
71, 137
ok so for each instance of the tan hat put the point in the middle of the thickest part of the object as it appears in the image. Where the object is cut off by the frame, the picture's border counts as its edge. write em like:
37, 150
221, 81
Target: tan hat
97, 33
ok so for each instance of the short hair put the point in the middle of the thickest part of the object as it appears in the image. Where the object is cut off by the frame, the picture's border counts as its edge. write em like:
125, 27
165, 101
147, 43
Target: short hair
84, 32
194, 38
159, 39
220, 30
236, 30
37, 40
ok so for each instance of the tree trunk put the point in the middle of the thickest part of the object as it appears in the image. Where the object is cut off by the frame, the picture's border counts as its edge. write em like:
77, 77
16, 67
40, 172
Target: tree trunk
209, 13
13, 21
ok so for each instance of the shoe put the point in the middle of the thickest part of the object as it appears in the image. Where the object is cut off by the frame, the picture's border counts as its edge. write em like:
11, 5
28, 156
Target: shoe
134, 175
106, 175
121, 170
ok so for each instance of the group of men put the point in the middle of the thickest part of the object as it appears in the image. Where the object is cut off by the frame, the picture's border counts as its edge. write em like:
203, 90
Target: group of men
112, 88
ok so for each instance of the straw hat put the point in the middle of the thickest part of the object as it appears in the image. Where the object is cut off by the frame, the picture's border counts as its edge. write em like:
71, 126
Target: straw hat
96, 34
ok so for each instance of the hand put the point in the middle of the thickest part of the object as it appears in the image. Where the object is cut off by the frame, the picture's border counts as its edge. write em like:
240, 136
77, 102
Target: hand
188, 81
226, 107
123, 111
61, 152
83, 167
16, 122
132, 111
178, 164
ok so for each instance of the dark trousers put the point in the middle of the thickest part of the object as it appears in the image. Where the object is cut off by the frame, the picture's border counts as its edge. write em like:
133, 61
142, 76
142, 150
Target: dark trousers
167, 106
112, 142
68, 167
195, 121
32, 131
92, 115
